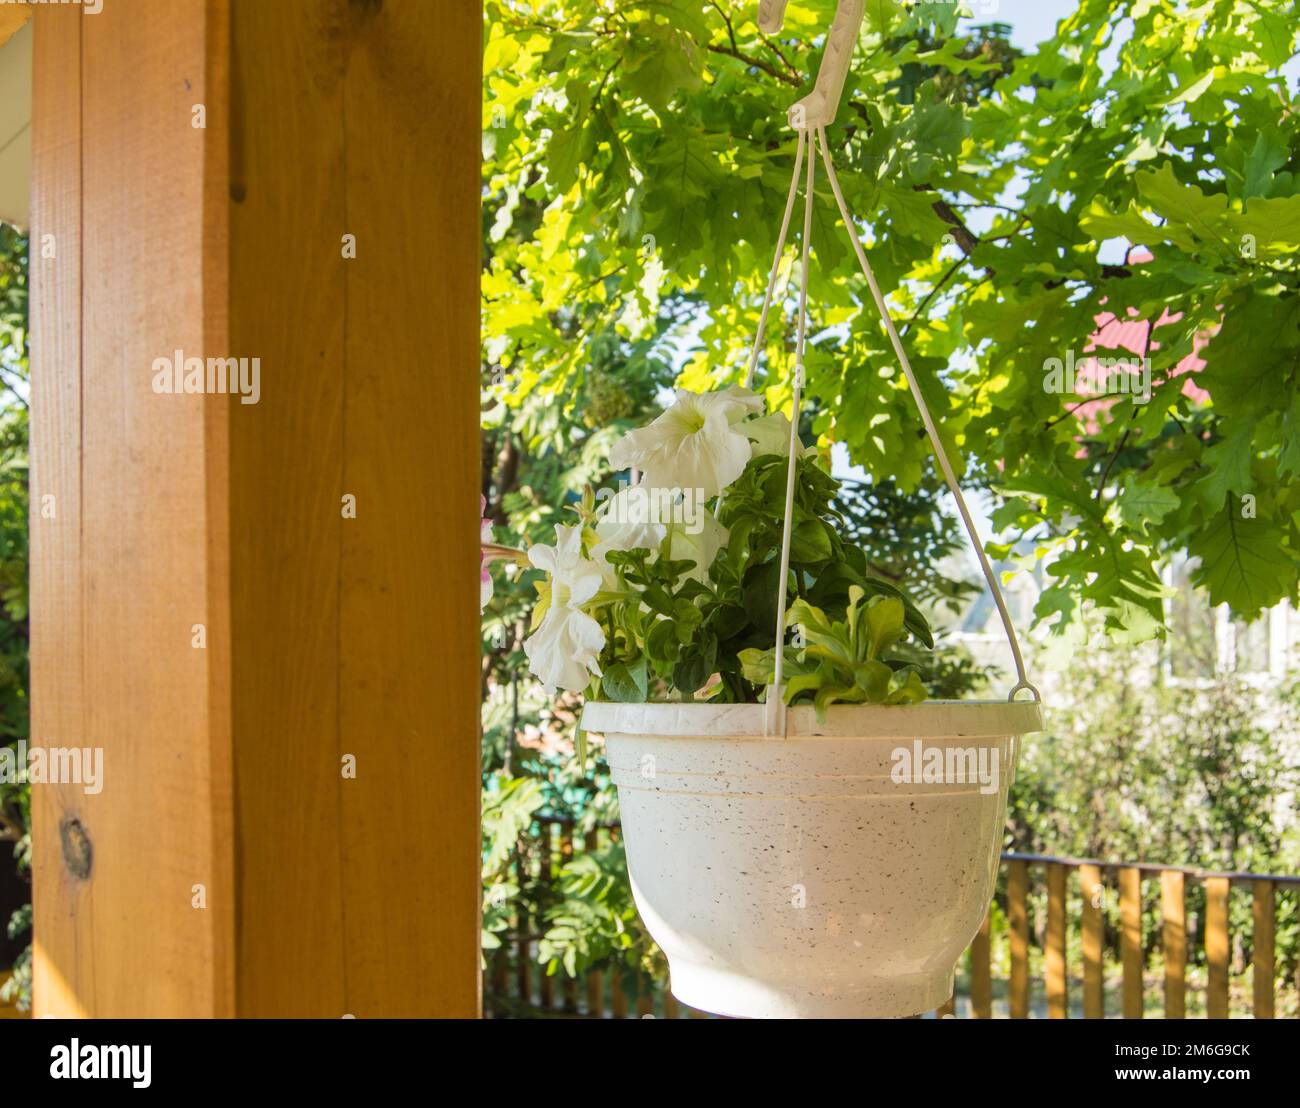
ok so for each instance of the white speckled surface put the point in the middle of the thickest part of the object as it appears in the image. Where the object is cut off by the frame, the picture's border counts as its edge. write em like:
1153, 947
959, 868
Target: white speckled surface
724, 831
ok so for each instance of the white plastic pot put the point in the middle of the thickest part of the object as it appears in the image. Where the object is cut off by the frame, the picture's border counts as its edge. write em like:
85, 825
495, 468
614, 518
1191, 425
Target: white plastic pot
806, 876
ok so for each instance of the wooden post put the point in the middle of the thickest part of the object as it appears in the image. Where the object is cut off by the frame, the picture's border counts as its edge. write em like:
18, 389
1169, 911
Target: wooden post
1093, 892
1018, 925
1262, 973
1131, 955
253, 609
1054, 955
1216, 947
1173, 938
981, 977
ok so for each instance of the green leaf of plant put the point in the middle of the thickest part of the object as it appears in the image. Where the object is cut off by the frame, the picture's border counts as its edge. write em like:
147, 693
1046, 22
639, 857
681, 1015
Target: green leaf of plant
810, 542
662, 643
1244, 562
884, 615
626, 682
873, 679
1142, 505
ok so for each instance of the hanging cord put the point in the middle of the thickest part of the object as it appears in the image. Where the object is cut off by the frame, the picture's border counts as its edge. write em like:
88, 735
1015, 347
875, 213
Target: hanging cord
775, 716
761, 333
1022, 683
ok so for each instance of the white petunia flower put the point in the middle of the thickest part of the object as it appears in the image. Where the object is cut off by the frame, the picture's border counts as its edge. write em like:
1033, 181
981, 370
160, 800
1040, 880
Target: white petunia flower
485, 578
697, 538
634, 518
770, 434
564, 651
693, 444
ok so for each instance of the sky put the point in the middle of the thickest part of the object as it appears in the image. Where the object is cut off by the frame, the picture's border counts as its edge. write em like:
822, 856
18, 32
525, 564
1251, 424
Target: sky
1031, 21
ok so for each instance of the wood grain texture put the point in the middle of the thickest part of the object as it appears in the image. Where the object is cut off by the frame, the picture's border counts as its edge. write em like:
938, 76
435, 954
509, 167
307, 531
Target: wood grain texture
326, 636
123, 576
287, 305
411, 125
63, 968
12, 18
367, 125
145, 527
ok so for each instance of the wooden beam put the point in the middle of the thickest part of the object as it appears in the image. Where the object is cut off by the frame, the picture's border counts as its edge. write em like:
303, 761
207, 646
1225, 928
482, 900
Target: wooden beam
256, 605
12, 19
63, 966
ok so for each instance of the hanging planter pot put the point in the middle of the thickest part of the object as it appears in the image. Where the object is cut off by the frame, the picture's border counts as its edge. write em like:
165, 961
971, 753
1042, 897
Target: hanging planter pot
830, 859
838, 870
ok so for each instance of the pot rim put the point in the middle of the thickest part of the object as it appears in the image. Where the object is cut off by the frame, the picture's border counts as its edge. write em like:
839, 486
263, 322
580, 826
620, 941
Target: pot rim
946, 718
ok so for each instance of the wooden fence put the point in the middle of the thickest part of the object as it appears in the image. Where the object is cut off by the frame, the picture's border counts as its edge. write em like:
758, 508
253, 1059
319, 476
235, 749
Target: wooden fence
1052, 963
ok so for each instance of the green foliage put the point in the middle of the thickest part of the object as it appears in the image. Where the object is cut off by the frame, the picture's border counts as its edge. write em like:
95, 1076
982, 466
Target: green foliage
844, 662
1199, 774
508, 809
672, 633
1191, 773
594, 923
1187, 147
637, 159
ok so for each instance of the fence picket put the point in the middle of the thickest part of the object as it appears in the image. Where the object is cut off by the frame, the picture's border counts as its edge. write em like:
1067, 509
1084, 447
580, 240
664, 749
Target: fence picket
1173, 940
1131, 954
1092, 929
1018, 922
1058, 1005
539, 857
1262, 908
1216, 947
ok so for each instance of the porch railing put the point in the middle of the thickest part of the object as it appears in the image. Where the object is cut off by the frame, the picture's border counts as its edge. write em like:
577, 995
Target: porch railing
1073, 937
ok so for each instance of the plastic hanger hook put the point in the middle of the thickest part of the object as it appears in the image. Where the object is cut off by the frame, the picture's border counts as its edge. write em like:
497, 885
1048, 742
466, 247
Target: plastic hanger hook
818, 108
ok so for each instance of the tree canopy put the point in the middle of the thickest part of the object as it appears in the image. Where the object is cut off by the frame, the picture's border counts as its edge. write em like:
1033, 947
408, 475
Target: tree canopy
1140, 164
